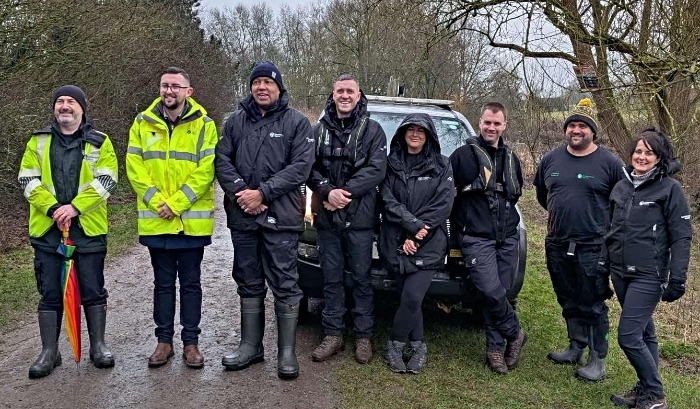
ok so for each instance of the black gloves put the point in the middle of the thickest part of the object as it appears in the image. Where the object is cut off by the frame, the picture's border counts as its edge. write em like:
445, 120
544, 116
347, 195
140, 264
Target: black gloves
672, 291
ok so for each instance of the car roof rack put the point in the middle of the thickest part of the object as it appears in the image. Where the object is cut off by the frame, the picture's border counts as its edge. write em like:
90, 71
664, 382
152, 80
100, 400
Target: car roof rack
445, 103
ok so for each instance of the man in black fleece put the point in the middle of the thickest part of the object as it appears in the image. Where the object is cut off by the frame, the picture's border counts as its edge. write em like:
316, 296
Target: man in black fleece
488, 181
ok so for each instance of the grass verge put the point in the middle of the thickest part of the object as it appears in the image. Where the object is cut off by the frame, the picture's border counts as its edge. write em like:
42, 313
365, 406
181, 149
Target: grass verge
17, 284
456, 375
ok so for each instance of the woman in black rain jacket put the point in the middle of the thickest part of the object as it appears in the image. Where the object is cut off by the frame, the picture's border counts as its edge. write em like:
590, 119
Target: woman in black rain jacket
648, 247
417, 196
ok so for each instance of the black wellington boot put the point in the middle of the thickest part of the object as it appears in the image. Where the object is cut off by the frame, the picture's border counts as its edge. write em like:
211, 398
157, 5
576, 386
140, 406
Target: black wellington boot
598, 343
578, 339
287, 364
49, 357
250, 351
96, 317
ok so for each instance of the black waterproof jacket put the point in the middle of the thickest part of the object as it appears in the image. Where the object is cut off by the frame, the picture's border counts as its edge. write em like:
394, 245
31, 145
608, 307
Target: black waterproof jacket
472, 214
359, 166
650, 230
273, 154
412, 199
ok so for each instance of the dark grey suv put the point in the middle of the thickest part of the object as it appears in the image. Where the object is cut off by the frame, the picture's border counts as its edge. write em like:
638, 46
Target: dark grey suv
451, 288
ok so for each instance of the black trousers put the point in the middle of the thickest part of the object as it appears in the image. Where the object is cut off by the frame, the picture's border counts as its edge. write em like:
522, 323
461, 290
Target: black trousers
264, 254
351, 249
169, 266
408, 320
491, 269
48, 267
636, 332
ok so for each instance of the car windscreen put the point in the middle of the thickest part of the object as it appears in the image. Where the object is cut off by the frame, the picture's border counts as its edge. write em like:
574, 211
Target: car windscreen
451, 132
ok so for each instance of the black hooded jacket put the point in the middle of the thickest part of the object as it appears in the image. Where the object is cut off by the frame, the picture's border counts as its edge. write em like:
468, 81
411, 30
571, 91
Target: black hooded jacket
273, 154
350, 155
650, 230
413, 198
472, 213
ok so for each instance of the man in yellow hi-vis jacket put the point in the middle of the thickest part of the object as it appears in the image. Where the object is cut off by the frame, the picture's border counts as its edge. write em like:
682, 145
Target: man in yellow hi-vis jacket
170, 164
67, 173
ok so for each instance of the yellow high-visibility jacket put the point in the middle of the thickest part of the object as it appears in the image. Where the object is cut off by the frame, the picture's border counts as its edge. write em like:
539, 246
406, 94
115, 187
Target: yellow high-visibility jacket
175, 167
98, 177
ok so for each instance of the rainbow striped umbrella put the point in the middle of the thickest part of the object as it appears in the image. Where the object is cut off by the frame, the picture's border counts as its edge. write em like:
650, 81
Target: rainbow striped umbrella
71, 295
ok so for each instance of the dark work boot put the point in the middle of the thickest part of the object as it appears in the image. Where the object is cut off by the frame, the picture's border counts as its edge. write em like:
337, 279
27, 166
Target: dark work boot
629, 399
598, 350
250, 351
578, 340
496, 361
393, 356
650, 401
96, 317
514, 350
287, 364
49, 357
417, 356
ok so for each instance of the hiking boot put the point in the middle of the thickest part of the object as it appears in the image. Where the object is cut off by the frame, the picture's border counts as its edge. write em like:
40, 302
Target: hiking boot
161, 356
363, 350
49, 357
96, 317
418, 356
571, 355
193, 358
629, 399
650, 401
497, 362
514, 350
330, 345
393, 356
594, 370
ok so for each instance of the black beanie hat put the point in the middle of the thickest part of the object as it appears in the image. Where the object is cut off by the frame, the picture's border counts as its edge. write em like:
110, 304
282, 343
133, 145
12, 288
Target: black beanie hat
266, 69
583, 112
71, 91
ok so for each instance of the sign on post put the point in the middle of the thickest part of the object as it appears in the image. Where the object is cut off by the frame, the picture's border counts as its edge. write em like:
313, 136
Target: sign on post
587, 78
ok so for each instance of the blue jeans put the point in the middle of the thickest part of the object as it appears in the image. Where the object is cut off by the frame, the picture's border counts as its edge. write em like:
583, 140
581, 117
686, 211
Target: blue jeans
636, 333
168, 266
351, 249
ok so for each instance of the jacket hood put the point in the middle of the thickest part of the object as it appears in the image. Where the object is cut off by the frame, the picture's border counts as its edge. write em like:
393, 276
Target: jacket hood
330, 116
251, 108
432, 144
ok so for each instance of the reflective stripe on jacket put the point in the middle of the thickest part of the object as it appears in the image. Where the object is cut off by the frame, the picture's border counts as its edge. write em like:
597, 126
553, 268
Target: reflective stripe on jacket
98, 176
175, 167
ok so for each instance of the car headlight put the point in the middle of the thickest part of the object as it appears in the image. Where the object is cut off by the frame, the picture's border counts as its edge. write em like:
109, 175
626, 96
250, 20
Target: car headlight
307, 250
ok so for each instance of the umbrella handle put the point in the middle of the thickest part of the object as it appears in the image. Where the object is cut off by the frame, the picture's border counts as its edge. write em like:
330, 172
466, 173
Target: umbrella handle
65, 233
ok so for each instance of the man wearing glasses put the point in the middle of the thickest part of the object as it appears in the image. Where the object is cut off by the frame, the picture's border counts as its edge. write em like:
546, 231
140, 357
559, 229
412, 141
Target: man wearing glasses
170, 164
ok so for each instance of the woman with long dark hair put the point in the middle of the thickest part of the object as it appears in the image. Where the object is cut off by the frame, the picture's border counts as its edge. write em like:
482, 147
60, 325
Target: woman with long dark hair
417, 196
648, 247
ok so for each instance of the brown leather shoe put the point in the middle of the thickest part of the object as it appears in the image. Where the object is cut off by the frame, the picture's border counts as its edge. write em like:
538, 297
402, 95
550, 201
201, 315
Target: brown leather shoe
161, 355
363, 350
193, 358
330, 345
514, 350
497, 362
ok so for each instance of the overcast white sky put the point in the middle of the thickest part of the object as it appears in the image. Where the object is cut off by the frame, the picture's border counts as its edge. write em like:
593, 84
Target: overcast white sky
274, 4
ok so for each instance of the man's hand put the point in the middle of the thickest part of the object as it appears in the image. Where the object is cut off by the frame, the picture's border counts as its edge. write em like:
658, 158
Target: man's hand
409, 247
249, 200
339, 198
164, 211
256, 211
329, 206
422, 232
63, 215
672, 291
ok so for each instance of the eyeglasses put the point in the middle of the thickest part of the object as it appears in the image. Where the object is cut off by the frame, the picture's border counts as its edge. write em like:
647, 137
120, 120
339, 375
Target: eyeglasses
174, 87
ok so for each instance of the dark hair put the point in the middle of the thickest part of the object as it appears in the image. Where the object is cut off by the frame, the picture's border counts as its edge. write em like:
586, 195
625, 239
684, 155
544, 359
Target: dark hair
346, 77
495, 107
657, 142
176, 70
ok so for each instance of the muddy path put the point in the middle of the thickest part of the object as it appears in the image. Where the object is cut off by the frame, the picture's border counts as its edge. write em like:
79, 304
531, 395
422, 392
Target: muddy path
131, 384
